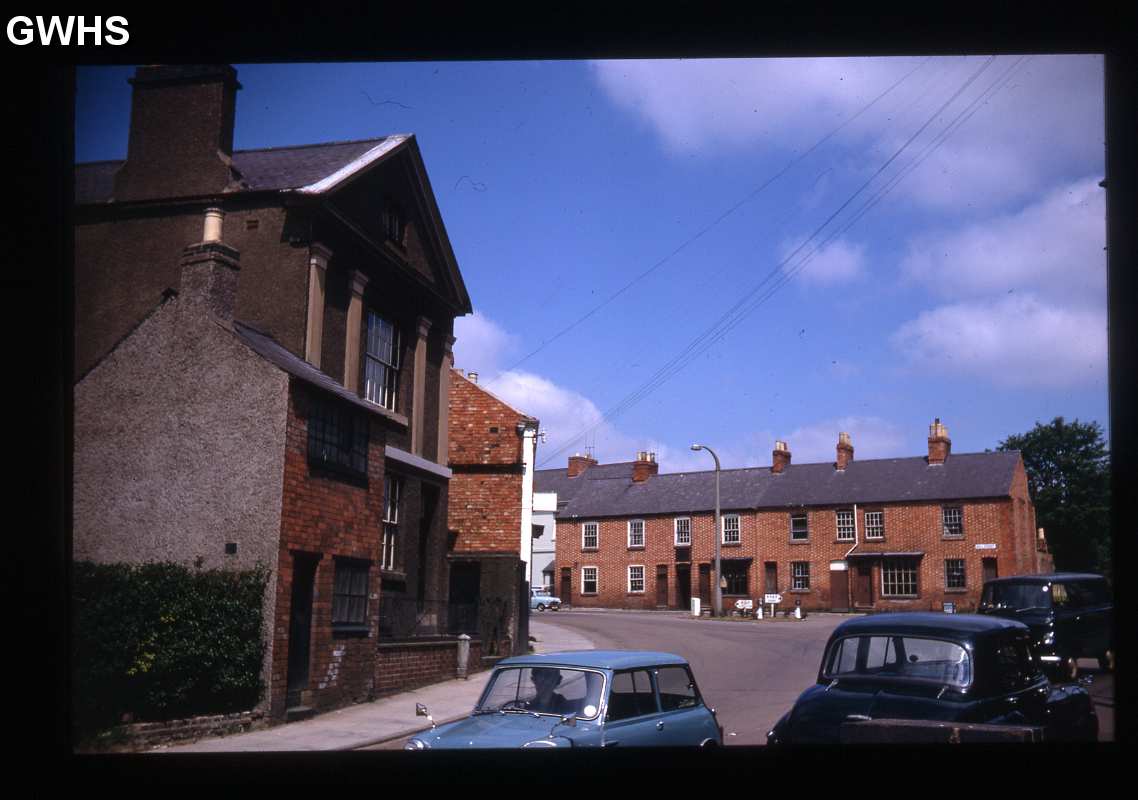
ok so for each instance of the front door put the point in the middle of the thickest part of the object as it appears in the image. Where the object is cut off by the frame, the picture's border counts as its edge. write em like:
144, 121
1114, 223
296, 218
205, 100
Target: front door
566, 586
662, 586
839, 589
990, 571
863, 583
300, 625
770, 578
683, 585
705, 585
465, 585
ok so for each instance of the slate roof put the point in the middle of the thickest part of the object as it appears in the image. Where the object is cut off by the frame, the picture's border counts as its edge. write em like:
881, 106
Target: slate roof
892, 480
558, 480
268, 169
268, 348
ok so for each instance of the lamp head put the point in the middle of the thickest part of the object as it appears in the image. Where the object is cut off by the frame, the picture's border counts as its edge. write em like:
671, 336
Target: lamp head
697, 447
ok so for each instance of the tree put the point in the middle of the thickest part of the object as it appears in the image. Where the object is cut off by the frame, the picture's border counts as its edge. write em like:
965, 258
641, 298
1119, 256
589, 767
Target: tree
1068, 471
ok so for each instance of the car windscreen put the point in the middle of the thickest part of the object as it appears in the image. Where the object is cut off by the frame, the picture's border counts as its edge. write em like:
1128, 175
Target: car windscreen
1016, 597
899, 657
543, 690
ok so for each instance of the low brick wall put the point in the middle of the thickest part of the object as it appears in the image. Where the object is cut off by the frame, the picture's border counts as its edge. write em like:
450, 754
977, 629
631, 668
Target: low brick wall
402, 666
138, 736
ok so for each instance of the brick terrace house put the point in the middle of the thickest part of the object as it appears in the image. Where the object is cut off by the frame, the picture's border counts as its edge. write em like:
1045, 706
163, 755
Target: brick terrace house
279, 394
492, 452
881, 534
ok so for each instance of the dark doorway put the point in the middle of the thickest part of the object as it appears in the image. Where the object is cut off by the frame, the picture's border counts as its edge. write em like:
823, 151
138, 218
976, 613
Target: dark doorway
462, 611
430, 502
863, 583
300, 625
770, 577
990, 571
683, 585
566, 585
705, 585
839, 589
662, 586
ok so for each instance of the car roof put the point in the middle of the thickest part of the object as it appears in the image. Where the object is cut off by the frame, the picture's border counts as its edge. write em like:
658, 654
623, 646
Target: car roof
1050, 578
929, 624
598, 659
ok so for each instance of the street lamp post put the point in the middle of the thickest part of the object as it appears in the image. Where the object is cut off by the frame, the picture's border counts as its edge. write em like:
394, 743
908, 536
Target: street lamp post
717, 596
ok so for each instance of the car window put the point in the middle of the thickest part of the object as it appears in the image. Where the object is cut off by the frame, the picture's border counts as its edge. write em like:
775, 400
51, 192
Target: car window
1016, 596
631, 695
1059, 596
1015, 667
574, 691
677, 689
901, 657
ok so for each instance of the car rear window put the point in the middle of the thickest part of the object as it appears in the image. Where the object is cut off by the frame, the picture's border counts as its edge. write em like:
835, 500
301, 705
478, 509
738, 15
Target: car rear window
900, 657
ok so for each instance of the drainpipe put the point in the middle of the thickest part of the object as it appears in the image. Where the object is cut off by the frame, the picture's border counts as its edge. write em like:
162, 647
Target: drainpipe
849, 583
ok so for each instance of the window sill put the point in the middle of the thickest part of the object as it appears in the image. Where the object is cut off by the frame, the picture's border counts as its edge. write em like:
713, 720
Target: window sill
844, 541
900, 597
952, 538
636, 547
800, 541
875, 538
961, 590
393, 575
798, 591
350, 631
588, 594
589, 549
730, 544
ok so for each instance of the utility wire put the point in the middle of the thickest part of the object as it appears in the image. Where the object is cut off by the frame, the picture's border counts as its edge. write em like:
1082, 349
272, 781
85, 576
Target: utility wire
709, 226
744, 306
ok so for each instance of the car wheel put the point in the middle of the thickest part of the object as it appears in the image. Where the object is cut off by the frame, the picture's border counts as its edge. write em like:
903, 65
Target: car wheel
541, 607
1106, 661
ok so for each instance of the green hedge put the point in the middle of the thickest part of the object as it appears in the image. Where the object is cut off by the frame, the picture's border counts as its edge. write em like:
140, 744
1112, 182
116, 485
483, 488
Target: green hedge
163, 641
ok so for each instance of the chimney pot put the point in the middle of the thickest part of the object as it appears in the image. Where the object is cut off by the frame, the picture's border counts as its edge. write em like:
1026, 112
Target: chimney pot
473, 377
213, 220
644, 467
578, 464
845, 451
780, 457
939, 444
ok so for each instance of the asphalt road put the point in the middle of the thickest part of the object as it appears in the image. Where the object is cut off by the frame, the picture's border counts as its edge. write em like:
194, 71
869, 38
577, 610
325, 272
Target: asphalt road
751, 672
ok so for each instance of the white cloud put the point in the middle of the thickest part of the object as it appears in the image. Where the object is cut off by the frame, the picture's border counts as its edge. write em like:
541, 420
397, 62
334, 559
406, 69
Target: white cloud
872, 437
839, 262
1016, 341
481, 345
1045, 123
1054, 247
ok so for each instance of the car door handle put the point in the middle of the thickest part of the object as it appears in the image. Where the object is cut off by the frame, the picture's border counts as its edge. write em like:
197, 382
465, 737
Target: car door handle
660, 725
858, 718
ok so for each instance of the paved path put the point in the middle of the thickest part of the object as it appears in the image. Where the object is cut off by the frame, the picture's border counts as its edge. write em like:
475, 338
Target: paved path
384, 720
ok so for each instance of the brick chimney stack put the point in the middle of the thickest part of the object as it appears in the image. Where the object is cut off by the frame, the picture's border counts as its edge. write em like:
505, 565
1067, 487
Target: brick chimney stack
579, 463
780, 459
181, 132
845, 451
644, 466
209, 271
939, 443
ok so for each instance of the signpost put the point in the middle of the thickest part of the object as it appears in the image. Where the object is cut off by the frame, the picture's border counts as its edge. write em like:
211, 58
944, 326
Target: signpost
772, 600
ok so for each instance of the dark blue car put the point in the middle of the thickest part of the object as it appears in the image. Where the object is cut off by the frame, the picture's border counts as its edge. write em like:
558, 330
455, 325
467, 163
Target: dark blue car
594, 698
937, 667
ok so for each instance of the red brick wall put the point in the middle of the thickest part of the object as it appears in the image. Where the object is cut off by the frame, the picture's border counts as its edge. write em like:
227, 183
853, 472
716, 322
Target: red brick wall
765, 536
408, 665
474, 416
326, 515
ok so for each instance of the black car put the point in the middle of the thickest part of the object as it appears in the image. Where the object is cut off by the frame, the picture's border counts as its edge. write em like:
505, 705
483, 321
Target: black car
1070, 616
961, 668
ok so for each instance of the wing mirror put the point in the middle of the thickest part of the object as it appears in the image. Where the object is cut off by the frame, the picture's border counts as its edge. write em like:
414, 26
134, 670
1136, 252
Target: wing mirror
421, 711
569, 719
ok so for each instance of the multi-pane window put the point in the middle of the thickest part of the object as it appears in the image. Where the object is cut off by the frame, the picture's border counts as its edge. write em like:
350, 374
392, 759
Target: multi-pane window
731, 529
636, 579
874, 524
588, 580
899, 577
799, 530
636, 533
683, 531
735, 573
381, 367
337, 438
349, 593
845, 525
393, 224
392, 488
589, 536
800, 575
952, 519
954, 573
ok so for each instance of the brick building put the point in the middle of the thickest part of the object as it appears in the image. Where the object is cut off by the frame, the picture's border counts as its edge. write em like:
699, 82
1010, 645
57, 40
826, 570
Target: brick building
881, 534
492, 451
279, 394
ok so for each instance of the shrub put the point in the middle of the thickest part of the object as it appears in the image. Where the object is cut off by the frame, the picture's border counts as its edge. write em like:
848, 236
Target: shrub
161, 641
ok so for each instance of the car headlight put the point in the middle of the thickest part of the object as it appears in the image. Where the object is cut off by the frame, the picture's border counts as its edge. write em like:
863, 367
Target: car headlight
1048, 638
415, 744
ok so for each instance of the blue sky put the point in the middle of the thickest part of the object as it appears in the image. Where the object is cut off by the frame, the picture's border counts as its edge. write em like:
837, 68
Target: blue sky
640, 282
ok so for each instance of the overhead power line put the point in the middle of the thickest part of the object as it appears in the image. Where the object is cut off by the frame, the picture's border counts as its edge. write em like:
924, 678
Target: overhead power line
748, 302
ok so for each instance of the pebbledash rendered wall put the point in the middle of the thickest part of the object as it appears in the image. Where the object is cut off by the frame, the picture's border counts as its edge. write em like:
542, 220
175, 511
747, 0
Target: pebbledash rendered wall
999, 528
179, 450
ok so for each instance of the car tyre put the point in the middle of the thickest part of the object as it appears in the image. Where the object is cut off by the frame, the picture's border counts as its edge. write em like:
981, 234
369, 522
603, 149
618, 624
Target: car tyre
1106, 661
540, 607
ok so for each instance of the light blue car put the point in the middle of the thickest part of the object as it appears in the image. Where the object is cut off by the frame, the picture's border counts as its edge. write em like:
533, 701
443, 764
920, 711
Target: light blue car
588, 698
541, 599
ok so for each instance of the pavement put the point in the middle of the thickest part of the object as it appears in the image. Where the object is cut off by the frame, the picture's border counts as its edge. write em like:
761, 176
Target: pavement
382, 720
